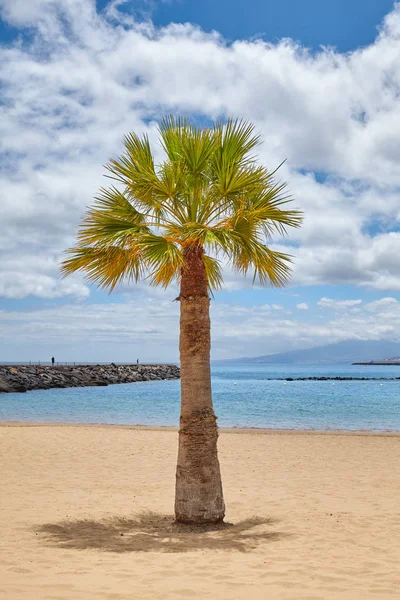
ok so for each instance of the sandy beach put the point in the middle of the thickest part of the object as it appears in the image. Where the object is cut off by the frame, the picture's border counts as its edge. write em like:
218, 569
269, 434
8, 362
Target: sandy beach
314, 516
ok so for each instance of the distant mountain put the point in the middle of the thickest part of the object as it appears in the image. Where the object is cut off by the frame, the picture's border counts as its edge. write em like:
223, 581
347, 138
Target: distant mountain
345, 352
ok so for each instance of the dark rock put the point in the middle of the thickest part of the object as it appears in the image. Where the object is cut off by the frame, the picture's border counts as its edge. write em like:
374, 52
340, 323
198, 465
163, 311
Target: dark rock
4, 387
19, 388
26, 378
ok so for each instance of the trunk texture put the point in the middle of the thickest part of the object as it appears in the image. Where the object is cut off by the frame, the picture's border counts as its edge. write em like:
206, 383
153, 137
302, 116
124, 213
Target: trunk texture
198, 493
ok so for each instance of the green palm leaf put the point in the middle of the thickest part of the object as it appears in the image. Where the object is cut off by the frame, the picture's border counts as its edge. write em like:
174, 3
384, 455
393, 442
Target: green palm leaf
208, 192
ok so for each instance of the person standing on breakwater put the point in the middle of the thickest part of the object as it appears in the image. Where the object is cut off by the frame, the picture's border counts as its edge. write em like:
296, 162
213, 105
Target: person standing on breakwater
137, 361
52, 361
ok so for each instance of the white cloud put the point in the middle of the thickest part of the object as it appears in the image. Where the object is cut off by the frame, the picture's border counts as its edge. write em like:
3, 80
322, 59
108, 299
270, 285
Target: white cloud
149, 330
338, 304
302, 306
85, 79
383, 305
20, 285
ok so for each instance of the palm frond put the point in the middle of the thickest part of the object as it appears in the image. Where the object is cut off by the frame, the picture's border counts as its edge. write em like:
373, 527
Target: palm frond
112, 219
171, 130
163, 259
105, 266
213, 273
268, 265
237, 140
135, 169
136, 159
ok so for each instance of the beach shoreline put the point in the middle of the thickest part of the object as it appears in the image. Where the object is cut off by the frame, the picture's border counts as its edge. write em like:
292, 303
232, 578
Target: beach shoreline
234, 430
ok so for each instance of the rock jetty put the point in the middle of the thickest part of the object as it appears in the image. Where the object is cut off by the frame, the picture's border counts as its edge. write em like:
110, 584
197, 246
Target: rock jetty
331, 378
22, 378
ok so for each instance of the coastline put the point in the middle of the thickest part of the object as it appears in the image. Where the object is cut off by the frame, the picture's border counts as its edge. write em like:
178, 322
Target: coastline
223, 430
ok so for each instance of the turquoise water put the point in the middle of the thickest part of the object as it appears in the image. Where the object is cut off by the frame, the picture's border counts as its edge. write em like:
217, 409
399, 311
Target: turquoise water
242, 398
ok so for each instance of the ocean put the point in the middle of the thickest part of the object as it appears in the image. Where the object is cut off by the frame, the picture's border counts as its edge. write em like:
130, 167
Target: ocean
243, 397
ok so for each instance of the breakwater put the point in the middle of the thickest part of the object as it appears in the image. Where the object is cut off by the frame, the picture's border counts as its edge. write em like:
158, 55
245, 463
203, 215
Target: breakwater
22, 378
331, 378
380, 363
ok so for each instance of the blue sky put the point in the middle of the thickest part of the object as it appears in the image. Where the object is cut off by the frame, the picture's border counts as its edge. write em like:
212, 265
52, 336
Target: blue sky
345, 24
76, 75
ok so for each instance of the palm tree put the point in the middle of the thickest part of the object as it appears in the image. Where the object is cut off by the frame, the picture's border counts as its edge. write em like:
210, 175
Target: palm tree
173, 222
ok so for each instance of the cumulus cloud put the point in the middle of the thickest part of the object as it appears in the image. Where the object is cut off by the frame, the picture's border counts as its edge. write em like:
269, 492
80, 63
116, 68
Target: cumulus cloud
302, 306
149, 330
81, 79
388, 305
20, 285
338, 304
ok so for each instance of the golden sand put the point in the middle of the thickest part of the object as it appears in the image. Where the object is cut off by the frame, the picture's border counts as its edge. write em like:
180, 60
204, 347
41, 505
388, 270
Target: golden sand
315, 516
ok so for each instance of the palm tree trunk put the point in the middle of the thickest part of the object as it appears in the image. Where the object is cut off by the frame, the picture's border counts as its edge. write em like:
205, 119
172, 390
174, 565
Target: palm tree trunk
198, 493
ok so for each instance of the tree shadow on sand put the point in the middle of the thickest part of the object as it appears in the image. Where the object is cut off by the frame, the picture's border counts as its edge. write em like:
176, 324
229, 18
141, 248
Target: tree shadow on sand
151, 532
